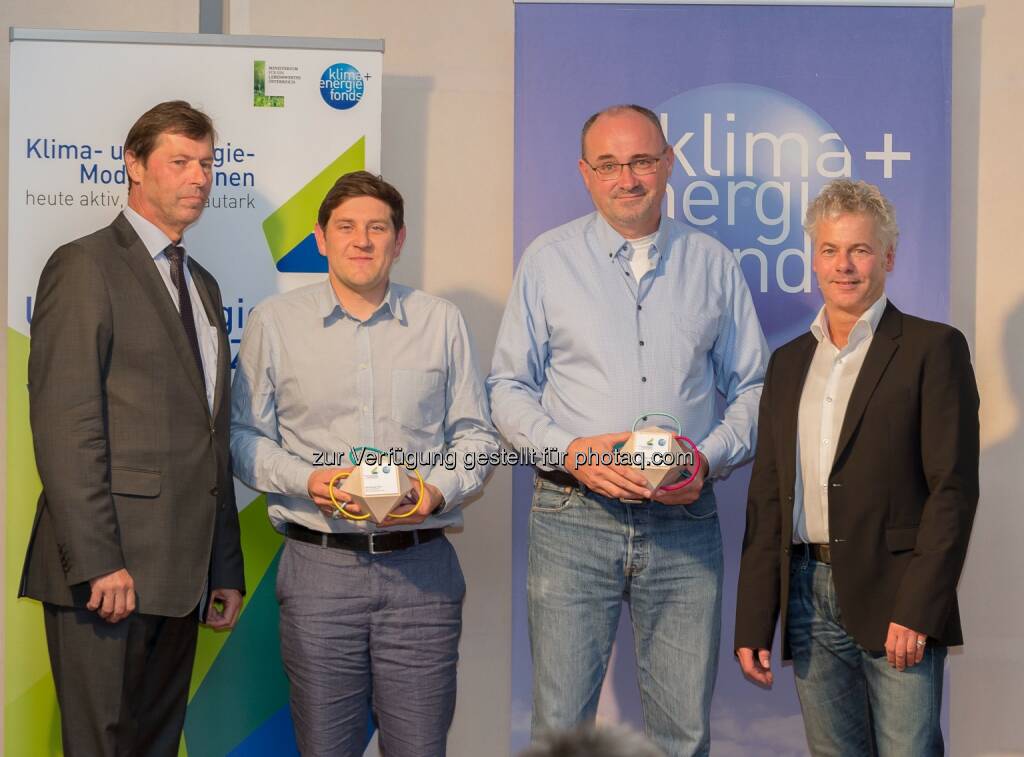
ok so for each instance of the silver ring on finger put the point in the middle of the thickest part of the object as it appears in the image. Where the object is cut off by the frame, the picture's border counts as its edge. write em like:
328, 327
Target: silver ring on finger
921, 642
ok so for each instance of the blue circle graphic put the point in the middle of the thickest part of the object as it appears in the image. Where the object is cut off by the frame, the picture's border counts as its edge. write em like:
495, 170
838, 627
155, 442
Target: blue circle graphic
342, 86
747, 160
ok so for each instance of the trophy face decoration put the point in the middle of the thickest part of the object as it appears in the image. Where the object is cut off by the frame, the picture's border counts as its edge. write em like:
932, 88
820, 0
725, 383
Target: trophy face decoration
668, 461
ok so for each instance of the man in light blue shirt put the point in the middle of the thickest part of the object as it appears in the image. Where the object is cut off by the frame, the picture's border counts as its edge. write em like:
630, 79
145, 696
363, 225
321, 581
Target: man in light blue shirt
614, 316
368, 613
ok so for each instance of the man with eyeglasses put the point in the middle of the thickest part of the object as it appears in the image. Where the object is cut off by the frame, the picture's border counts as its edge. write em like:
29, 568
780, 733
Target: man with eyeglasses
612, 316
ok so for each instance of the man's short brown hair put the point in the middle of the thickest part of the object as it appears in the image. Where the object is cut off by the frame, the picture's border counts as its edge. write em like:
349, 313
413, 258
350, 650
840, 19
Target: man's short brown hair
171, 117
362, 184
615, 110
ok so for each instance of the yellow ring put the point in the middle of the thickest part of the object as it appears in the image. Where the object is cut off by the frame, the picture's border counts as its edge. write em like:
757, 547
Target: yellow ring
418, 501
341, 507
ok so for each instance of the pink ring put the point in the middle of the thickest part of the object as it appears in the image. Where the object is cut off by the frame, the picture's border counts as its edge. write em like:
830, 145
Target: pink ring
696, 468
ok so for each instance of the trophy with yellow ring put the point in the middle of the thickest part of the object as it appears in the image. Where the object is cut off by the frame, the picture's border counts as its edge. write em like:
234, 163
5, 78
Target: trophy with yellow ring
377, 485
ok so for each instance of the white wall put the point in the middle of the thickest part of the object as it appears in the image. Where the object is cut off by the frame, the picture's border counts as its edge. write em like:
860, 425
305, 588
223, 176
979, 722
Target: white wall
988, 303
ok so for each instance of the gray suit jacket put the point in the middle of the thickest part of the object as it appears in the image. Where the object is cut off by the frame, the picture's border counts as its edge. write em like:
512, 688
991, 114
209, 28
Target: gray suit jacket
135, 469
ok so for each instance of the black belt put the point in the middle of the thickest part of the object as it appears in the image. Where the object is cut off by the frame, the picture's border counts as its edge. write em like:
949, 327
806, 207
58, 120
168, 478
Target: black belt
377, 543
558, 478
817, 552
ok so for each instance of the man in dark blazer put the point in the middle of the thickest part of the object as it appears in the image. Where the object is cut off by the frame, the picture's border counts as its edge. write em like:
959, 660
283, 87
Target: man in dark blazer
136, 531
862, 498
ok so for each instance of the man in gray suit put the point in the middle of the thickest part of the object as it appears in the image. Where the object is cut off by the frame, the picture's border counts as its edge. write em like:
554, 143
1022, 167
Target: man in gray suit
136, 531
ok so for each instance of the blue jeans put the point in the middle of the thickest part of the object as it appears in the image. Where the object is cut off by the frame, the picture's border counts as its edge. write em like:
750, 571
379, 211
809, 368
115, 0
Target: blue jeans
853, 701
587, 554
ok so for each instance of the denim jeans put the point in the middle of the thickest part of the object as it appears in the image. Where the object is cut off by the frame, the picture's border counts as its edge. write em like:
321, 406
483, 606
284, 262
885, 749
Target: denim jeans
853, 701
587, 554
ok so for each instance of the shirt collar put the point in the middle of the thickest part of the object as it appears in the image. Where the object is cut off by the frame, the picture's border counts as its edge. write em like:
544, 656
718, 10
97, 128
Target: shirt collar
328, 304
865, 326
612, 243
155, 240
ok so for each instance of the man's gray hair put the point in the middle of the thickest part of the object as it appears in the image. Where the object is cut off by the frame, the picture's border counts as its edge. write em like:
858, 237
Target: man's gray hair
614, 110
593, 741
842, 196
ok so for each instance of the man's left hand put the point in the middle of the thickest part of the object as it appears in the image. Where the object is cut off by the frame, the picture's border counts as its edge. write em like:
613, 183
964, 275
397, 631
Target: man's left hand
432, 500
904, 647
225, 604
689, 493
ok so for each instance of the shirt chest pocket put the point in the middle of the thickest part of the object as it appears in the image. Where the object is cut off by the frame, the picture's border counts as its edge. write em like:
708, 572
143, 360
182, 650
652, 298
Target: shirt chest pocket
418, 398
692, 338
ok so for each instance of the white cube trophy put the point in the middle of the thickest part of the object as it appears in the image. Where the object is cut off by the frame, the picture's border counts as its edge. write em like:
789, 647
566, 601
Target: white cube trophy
665, 461
377, 485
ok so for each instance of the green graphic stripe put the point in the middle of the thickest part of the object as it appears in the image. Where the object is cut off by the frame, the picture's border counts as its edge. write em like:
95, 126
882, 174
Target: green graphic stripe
247, 683
260, 542
33, 721
287, 226
30, 706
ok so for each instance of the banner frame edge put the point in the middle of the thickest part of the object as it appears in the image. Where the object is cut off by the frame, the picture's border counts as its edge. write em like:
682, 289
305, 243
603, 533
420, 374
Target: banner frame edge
352, 44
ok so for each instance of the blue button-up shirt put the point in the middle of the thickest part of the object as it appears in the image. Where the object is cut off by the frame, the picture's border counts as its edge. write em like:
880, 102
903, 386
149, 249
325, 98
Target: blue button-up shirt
584, 349
313, 381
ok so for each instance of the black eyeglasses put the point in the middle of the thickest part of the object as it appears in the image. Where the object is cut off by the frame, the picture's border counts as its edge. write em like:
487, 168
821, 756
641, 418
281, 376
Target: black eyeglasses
609, 169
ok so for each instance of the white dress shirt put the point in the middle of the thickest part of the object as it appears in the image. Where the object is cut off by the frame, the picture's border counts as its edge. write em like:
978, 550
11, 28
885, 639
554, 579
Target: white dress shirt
156, 243
826, 392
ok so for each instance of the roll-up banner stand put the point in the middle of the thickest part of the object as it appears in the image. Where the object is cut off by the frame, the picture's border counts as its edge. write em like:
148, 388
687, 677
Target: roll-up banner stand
762, 104
291, 116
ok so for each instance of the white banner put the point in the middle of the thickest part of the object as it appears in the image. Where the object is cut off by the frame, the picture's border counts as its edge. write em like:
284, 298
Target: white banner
291, 116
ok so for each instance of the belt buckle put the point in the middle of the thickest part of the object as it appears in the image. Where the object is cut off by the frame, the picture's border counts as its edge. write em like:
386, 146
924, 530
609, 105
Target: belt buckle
373, 549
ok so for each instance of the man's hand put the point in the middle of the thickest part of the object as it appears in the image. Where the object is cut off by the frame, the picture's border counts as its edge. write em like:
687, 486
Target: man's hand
113, 596
615, 481
432, 500
318, 485
756, 665
225, 604
904, 647
689, 493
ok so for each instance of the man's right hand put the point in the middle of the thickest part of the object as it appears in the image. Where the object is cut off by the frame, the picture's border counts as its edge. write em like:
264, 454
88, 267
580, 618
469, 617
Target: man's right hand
613, 481
318, 485
113, 596
756, 665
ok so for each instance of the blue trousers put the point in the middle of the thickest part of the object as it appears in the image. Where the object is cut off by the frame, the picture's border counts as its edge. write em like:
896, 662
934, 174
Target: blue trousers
360, 630
853, 701
587, 554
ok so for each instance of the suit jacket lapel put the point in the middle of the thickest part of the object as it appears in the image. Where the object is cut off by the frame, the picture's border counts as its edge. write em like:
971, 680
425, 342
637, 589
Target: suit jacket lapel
883, 347
789, 404
141, 263
223, 349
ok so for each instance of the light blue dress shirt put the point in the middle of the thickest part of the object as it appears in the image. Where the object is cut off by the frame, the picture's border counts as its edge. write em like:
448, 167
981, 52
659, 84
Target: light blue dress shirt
313, 381
584, 349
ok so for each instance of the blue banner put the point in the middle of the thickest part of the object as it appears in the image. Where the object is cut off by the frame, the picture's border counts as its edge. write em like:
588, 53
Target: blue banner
762, 106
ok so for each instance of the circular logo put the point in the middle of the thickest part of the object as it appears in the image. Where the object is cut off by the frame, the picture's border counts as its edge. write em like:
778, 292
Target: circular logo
342, 86
748, 160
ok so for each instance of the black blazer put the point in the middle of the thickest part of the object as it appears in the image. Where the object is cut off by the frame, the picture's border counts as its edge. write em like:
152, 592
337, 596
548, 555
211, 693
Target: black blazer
135, 468
902, 491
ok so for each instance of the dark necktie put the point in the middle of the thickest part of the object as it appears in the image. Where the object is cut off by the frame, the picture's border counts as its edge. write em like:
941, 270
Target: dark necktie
176, 255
